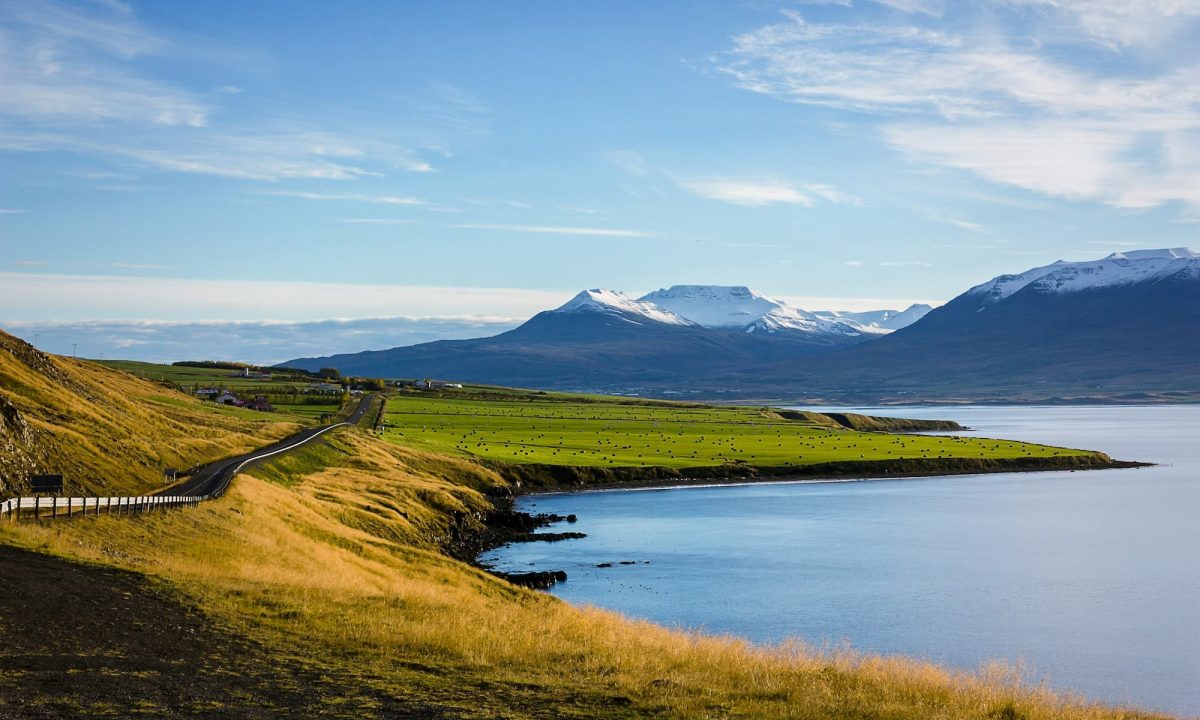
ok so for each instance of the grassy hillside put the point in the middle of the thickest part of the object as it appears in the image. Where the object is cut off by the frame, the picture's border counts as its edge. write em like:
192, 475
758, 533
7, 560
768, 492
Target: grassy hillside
106, 431
560, 430
332, 560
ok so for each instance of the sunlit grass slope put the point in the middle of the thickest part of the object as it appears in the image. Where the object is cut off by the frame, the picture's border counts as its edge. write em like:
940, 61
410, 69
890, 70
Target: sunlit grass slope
561, 431
107, 432
333, 556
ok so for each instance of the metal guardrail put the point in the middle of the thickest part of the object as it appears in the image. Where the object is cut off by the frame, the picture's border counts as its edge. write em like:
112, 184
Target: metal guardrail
56, 507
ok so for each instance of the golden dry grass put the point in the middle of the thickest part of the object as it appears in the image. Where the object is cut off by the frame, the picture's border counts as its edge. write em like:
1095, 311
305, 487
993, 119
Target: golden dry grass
106, 431
333, 555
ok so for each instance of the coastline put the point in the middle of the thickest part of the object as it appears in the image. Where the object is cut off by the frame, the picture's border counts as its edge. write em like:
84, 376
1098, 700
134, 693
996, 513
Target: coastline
529, 479
505, 524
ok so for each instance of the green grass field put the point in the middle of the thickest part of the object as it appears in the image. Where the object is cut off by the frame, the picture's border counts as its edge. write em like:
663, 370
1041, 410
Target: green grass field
559, 431
190, 376
286, 393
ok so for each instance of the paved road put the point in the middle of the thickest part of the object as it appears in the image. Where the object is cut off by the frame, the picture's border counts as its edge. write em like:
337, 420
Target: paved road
214, 478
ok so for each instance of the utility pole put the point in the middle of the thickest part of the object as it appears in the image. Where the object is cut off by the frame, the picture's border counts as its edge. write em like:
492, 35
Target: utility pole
35, 340
74, 348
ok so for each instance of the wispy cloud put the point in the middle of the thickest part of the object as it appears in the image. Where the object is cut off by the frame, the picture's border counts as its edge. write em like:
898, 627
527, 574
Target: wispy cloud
1117, 243
983, 92
948, 218
376, 221
557, 230
140, 266
11, 211
759, 192
577, 210
967, 225
750, 193
82, 78
31, 263
348, 197
925, 7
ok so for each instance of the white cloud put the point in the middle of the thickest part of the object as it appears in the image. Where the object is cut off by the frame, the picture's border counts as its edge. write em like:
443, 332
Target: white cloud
853, 263
46, 296
376, 221
1019, 99
83, 79
751, 193
348, 197
557, 230
925, 7
11, 211
967, 225
1120, 23
140, 266
254, 341
754, 193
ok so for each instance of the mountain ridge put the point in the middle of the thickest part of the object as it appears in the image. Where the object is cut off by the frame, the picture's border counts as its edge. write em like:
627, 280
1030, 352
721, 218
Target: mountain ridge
1127, 323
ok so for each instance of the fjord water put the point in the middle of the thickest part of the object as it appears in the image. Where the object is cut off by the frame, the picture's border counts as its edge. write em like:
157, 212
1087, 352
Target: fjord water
1091, 580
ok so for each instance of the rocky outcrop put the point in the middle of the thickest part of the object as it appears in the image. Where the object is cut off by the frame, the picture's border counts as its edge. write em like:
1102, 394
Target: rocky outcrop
17, 449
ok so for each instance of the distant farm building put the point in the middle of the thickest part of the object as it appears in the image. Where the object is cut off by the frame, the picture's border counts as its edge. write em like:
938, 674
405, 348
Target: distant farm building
435, 384
260, 403
324, 388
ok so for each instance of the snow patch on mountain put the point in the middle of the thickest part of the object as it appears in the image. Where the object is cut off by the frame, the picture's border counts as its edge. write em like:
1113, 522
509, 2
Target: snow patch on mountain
888, 320
1121, 268
791, 319
739, 307
715, 306
618, 304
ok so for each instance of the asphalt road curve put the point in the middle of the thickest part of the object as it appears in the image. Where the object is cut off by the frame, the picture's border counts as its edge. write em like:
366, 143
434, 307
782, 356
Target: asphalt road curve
214, 478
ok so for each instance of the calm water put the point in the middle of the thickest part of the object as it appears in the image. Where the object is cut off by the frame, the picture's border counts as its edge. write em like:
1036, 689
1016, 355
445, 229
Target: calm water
1091, 579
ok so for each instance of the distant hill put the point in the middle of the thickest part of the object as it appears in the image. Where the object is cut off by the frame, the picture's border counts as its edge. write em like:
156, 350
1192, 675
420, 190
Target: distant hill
106, 431
1128, 324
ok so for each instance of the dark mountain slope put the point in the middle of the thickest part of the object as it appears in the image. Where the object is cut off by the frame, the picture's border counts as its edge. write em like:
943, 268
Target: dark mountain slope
577, 350
1142, 337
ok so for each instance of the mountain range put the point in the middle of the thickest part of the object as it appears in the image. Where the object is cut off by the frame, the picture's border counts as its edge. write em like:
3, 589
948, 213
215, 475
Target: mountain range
1127, 324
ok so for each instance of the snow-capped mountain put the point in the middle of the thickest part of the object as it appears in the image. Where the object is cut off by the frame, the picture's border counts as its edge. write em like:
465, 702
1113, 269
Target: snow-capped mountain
619, 305
1117, 269
1125, 325
739, 307
715, 306
886, 320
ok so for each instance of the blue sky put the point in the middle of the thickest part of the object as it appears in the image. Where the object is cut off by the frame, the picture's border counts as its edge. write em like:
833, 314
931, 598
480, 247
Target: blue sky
473, 163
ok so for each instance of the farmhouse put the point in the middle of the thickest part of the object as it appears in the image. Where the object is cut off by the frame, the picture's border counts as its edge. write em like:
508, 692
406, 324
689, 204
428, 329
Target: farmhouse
208, 393
226, 398
260, 403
